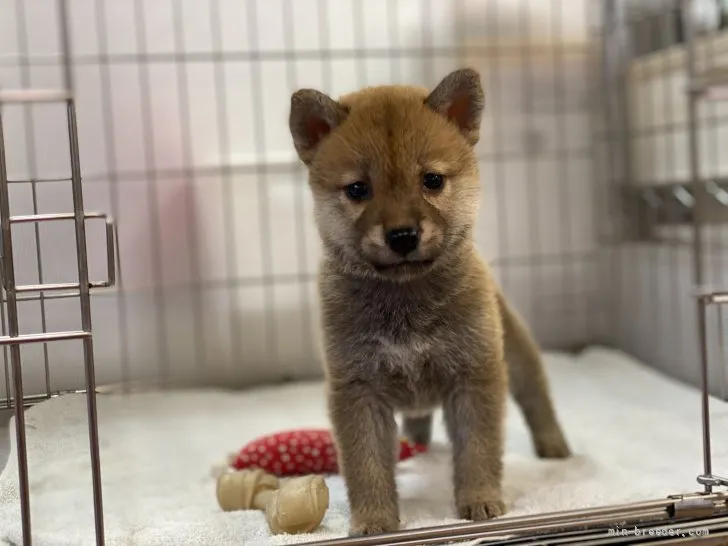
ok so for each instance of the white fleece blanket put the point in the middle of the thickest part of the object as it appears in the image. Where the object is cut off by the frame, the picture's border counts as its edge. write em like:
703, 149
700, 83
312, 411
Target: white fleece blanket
636, 436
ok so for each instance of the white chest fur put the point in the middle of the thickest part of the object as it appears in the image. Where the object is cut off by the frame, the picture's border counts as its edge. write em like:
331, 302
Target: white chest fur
403, 356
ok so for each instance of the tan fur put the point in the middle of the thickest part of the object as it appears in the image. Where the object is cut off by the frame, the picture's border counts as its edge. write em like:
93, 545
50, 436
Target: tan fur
409, 334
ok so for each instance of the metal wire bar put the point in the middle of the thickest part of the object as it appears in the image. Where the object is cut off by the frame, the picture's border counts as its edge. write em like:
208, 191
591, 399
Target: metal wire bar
111, 163
24, 339
150, 162
395, 64
30, 400
115, 176
499, 190
532, 173
13, 330
357, 28
4, 332
35, 217
620, 52
3, 311
39, 180
705, 397
500, 47
724, 356
672, 151
198, 340
650, 288
506, 263
428, 62
327, 76
261, 171
85, 304
230, 239
715, 297
28, 96
31, 157
289, 34
459, 31
48, 287
568, 272
674, 127
594, 101
652, 511
693, 143
83, 275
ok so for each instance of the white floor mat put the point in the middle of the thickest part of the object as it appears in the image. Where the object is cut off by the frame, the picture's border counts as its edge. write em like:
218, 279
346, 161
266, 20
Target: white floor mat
636, 434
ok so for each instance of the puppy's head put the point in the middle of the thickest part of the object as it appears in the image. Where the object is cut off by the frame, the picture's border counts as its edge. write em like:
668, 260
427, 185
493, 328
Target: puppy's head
393, 172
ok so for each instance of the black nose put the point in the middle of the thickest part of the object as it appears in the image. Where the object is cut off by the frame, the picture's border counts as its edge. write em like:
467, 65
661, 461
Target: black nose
403, 240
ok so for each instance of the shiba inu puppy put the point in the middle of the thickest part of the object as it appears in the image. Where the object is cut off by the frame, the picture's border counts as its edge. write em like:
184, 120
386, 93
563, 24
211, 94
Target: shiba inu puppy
412, 317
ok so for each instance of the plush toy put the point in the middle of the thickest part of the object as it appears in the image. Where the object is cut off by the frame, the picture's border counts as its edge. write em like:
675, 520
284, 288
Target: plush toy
296, 505
298, 452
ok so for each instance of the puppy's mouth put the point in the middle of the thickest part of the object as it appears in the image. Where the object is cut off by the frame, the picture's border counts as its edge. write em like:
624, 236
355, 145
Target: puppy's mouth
404, 267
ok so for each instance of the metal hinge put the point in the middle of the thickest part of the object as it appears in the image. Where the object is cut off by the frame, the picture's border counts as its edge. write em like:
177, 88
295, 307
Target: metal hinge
698, 505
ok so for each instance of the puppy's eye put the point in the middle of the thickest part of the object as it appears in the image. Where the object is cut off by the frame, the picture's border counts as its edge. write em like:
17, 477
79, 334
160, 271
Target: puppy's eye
358, 191
433, 181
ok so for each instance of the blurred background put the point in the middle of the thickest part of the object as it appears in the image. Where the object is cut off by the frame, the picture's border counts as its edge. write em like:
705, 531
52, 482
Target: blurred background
585, 159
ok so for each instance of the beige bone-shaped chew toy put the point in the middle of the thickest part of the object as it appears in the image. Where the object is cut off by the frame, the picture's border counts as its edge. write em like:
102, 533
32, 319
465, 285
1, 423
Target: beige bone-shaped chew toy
296, 505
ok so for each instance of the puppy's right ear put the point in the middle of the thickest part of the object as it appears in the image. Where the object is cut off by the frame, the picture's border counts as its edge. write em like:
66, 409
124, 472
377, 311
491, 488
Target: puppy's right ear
313, 116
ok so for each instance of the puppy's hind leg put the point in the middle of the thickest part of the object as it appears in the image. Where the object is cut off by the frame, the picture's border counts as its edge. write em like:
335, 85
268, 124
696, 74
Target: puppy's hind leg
417, 428
529, 386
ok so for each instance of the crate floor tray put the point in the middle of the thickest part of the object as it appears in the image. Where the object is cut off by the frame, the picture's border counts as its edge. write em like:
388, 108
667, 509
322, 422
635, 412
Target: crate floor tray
636, 435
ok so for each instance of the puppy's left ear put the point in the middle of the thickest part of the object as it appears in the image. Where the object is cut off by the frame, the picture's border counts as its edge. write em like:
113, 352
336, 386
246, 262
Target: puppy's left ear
313, 116
459, 97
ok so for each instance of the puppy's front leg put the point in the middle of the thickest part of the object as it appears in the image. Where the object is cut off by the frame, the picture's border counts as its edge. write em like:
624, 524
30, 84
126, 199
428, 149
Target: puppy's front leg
474, 414
365, 431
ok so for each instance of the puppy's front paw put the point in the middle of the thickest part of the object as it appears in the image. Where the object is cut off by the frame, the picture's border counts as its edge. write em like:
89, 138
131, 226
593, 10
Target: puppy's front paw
377, 527
552, 446
481, 510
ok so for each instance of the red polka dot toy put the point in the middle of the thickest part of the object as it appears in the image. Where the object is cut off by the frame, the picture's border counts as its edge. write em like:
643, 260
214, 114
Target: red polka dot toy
298, 452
